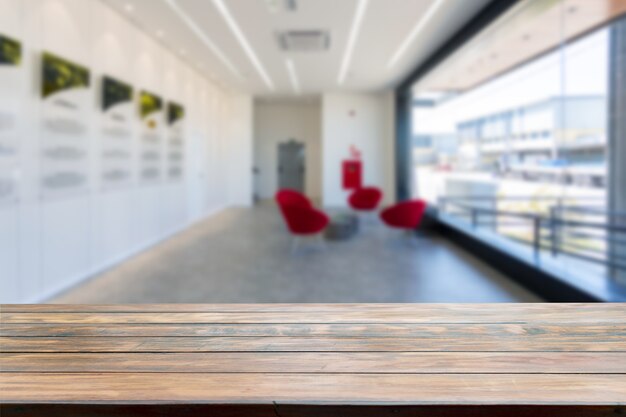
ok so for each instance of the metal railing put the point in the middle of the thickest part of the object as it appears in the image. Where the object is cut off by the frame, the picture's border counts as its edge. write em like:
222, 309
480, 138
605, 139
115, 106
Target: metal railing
577, 227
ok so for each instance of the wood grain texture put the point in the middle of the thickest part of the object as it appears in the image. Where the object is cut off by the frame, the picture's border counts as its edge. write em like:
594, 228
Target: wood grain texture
566, 315
491, 309
303, 344
452, 330
313, 360
318, 388
321, 362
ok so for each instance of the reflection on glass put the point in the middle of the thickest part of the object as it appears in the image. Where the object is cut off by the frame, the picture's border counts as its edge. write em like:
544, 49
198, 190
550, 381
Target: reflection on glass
510, 132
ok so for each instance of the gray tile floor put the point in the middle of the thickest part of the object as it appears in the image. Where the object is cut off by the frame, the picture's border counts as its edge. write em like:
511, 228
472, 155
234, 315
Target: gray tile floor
244, 256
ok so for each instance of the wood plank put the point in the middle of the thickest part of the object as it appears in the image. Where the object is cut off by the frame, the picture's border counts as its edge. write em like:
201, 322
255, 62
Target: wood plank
312, 360
414, 389
320, 362
560, 315
533, 330
301, 344
206, 308
409, 308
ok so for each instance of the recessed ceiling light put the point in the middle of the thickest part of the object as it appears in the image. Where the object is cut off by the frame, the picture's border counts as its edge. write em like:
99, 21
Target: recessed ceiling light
293, 76
421, 24
234, 27
129, 7
354, 32
203, 36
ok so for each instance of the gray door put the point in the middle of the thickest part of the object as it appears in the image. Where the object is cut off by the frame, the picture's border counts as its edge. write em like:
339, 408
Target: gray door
291, 165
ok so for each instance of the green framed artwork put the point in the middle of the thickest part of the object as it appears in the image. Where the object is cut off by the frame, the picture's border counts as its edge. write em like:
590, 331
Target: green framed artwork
10, 51
175, 112
115, 92
59, 74
149, 103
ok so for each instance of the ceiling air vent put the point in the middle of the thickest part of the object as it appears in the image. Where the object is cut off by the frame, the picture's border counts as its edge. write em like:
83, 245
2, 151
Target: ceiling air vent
291, 5
304, 40
274, 6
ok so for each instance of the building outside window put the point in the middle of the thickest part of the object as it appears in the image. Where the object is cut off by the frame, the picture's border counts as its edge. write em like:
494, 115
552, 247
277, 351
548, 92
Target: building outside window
515, 125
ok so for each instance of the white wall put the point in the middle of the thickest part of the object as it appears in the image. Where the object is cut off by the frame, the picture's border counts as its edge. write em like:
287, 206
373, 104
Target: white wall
47, 245
279, 122
240, 150
367, 122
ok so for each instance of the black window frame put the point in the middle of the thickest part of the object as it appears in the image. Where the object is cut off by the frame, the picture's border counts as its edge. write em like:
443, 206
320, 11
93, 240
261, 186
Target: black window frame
404, 97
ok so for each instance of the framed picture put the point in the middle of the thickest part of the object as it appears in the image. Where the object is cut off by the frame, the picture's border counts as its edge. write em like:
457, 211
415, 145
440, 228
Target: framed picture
10, 51
149, 103
175, 112
115, 92
59, 74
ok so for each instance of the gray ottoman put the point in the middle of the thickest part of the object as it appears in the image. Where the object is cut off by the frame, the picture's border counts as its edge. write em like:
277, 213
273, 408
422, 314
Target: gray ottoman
342, 226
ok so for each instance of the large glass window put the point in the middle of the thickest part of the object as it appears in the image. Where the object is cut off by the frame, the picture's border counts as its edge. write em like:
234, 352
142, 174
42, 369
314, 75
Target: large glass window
510, 132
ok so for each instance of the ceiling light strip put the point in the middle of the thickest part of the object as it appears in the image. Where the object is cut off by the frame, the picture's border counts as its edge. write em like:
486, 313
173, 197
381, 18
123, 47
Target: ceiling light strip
202, 36
421, 24
293, 76
354, 33
234, 27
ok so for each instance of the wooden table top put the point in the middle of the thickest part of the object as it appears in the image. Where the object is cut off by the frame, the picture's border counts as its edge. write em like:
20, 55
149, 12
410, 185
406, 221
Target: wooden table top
313, 359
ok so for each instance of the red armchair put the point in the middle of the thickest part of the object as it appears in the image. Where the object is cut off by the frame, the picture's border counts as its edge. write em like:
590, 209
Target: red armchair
299, 214
286, 197
365, 198
304, 220
293, 198
405, 215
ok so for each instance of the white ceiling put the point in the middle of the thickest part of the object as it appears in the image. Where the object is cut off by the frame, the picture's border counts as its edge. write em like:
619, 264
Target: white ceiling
386, 24
526, 31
